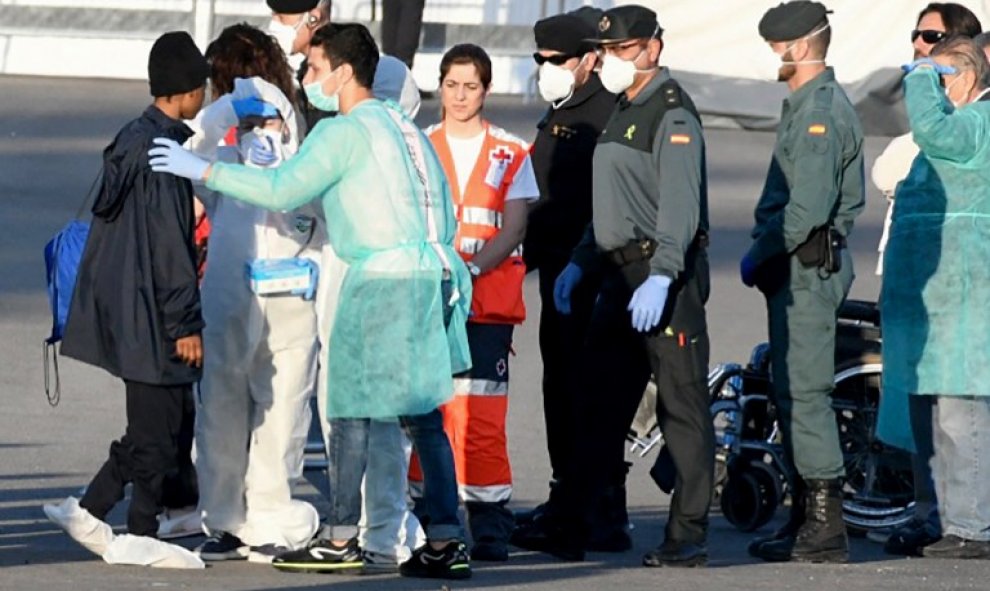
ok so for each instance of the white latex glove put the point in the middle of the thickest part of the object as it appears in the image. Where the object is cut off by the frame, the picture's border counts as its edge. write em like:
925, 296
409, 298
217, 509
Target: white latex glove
564, 286
172, 158
648, 301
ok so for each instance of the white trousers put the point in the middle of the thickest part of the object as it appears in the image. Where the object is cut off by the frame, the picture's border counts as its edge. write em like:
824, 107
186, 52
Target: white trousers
251, 430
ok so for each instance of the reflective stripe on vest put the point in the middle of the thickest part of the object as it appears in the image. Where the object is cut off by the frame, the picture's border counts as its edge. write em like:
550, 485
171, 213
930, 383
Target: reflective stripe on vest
480, 215
496, 493
474, 387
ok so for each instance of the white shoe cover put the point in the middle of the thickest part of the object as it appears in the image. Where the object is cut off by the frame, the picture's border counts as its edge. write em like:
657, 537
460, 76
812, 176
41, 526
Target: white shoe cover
93, 534
145, 551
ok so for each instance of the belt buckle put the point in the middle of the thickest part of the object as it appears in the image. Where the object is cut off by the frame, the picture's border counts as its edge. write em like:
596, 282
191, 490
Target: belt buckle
644, 249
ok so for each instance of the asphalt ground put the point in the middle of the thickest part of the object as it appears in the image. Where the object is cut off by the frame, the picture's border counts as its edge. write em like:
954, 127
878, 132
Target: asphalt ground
52, 132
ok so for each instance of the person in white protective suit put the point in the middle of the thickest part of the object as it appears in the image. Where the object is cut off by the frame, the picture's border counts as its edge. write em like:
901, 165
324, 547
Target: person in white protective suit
260, 372
404, 298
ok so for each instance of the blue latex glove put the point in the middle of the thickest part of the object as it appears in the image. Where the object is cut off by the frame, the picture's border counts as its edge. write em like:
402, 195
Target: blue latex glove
747, 270
648, 301
172, 158
927, 62
564, 286
254, 107
262, 151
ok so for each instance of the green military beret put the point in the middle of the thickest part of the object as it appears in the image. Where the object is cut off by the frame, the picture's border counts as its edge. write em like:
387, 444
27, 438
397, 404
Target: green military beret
630, 21
792, 20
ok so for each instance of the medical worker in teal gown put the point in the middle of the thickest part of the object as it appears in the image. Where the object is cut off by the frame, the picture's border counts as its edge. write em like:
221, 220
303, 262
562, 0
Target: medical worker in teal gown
936, 289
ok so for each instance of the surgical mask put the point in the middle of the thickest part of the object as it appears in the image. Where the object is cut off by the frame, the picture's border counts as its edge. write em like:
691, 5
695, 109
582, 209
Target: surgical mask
556, 83
617, 74
317, 98
285, 35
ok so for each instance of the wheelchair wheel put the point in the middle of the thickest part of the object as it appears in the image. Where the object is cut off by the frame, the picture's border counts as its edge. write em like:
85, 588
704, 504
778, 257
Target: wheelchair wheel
879, 487
750, 495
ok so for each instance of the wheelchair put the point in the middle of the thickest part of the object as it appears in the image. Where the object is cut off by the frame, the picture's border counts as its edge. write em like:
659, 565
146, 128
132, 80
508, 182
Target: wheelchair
752, 479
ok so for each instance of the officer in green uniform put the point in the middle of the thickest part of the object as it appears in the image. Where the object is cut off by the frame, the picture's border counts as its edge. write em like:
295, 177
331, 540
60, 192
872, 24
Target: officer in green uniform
813, 193
650, 223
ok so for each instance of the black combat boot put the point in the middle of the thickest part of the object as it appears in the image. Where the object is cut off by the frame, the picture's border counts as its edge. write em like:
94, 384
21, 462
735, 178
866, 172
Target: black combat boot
777, 547
610, 524
822, 538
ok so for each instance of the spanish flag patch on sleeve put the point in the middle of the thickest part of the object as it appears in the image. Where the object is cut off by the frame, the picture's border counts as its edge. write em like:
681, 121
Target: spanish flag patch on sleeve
680, 138
817, 129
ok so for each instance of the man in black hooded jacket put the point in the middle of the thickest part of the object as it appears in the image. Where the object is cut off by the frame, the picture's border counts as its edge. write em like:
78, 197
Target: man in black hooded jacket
135, 310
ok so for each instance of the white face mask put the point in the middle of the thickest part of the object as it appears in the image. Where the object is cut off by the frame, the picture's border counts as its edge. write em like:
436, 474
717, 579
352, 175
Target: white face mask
285, 35
805, 38
556, 83
619, 74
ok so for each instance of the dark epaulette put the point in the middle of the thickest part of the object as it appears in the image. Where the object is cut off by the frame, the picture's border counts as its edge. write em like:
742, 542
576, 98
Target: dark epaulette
823, 97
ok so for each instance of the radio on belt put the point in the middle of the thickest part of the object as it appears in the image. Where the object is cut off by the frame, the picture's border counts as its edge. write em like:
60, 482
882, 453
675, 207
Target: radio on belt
295, 276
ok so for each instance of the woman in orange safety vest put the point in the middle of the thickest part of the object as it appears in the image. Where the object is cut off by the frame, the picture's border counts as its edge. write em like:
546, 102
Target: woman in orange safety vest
493, 184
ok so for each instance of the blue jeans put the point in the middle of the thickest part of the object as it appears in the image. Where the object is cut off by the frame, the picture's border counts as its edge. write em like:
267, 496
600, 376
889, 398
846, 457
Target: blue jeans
349, 453
961, 430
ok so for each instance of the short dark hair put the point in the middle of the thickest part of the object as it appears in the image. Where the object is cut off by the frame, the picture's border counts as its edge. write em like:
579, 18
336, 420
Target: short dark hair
468, 53
958, 19
352, 44
821, 41
243, 51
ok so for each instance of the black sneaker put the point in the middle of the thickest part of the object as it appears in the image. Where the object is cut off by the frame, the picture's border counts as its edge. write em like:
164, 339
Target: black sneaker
265, 553
221, 545
322, 556
450, 562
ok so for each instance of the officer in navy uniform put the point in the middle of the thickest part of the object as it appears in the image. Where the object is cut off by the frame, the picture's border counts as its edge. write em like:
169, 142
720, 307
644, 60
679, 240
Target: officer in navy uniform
562, 153
649, 238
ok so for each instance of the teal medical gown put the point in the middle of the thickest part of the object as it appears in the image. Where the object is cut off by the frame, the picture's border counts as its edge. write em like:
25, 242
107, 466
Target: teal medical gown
936, 279
391, 354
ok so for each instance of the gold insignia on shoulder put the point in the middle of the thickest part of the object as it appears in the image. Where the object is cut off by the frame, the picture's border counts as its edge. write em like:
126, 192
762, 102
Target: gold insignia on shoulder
817, 129
630, 132
604, 24
680, 138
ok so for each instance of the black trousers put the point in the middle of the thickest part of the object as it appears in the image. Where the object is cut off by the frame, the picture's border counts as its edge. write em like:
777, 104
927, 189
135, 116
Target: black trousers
402, 21
617, 362
145, 456
561, 338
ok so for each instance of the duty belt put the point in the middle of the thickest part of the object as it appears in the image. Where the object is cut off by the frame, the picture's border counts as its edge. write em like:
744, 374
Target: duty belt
639, 250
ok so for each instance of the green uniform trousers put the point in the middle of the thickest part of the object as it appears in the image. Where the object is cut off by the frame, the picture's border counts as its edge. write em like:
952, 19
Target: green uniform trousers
802, 309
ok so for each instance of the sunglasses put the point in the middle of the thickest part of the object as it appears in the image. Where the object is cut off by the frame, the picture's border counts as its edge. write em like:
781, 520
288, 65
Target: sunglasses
558, 60
928, 36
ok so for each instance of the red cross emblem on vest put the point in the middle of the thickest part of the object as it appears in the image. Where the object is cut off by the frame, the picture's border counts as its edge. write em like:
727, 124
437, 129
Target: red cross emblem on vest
501, 155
